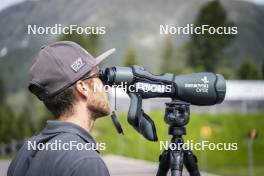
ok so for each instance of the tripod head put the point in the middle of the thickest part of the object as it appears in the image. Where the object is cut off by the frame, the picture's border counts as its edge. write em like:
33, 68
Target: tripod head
177, 115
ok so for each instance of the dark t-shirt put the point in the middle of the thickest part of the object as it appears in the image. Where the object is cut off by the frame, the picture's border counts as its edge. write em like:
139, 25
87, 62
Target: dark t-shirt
60, 149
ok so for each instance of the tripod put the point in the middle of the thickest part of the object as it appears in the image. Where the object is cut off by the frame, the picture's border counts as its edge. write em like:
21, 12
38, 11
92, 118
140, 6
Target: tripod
177, 115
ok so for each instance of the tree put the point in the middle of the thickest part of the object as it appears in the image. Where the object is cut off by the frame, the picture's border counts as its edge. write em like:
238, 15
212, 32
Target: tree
206, 50
262, 69
131, 58
8, 124
89, 42
248, 70
25, 126
225, 71
2, 92
7, 118
42, 121
5, 121
31, 110
167, 56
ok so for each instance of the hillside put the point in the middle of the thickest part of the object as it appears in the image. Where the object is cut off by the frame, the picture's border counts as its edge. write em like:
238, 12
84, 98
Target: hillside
128, 23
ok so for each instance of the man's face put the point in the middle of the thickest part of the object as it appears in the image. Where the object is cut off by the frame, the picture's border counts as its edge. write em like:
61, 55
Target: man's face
97, 100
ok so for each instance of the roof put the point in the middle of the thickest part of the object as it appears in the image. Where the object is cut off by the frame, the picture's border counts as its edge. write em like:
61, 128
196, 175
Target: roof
244, 90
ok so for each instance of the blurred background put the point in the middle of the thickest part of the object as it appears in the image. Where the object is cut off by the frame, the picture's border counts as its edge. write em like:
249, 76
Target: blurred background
132, 27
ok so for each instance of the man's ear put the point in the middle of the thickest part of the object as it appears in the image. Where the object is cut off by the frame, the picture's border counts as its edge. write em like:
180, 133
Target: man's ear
82, 88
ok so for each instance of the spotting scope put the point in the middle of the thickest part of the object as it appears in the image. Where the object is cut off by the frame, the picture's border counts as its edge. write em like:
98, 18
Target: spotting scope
197, 89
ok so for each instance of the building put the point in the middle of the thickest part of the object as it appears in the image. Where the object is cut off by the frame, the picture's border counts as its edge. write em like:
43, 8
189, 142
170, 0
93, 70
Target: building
241, 96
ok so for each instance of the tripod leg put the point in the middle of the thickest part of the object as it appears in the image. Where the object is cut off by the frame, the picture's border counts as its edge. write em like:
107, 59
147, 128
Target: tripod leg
176, 162
190, 162
164, 163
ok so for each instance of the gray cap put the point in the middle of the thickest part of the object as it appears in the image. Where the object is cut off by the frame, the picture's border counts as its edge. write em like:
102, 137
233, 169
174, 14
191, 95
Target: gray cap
59, 65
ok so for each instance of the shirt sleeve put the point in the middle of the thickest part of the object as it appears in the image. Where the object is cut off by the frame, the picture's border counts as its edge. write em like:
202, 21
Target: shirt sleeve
90, 167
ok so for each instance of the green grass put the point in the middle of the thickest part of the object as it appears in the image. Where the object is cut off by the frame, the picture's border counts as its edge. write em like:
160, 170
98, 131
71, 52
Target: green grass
228, 128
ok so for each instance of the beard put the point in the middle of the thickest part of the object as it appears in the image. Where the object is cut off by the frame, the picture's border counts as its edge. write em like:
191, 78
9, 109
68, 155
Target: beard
100, 111
98, 101
99, 106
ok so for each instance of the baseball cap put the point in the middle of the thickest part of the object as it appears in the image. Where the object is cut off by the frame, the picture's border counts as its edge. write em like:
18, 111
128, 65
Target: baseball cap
59, 65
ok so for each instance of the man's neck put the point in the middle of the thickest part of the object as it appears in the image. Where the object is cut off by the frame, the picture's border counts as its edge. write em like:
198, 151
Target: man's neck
83, 119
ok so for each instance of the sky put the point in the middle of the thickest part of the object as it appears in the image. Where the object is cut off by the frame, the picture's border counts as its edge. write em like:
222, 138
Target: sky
6, 3
257, 1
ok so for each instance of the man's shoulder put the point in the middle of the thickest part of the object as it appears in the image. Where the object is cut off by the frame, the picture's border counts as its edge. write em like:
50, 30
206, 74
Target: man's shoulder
85, 165
74, 146
71, 154
82, 159
63, 152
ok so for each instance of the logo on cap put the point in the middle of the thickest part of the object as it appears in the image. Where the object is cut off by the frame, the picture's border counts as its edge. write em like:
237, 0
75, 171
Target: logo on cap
77, 64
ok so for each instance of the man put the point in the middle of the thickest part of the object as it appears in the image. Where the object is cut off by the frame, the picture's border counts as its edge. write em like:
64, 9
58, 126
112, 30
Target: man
64, 77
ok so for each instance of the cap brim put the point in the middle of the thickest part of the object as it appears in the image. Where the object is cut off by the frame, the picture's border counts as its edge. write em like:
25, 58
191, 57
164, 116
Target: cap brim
105, 55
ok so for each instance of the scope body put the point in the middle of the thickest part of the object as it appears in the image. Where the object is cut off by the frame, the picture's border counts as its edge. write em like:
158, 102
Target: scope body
198, 88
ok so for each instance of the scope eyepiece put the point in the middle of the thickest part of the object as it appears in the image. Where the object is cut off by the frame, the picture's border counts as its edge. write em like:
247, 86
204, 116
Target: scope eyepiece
117, 75
108, 76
